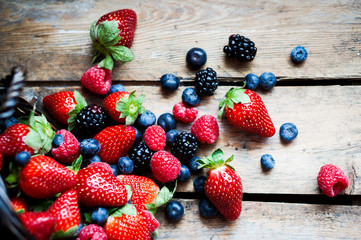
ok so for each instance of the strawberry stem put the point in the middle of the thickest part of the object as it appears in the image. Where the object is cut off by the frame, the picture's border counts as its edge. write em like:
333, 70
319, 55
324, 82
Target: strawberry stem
234, 95
130, 107
214, 161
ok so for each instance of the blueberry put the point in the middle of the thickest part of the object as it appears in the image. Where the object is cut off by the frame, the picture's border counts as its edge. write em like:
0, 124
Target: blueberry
116, 88
58, 140
299, 54
115, 169
22, 158
166, 121
196, 57
190, 97
145, 120
90, 160
207, 209
10, 121
267, 81
169, 81
193, 165
170, 136
79, 228
252, 81
125, 165
184, 173
288, 132
99, 216
198, 183
174, 210
267, 161
89, 147
138, 135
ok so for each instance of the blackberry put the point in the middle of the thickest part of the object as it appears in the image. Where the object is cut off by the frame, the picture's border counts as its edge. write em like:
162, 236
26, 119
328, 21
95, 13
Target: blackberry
141, 156
91, 120
241, 48
206, 81
184, 147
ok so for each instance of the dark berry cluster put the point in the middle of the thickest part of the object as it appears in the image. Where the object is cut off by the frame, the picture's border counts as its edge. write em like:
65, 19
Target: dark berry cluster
206, 81
184, 147
241, 48
91, 120
141, 156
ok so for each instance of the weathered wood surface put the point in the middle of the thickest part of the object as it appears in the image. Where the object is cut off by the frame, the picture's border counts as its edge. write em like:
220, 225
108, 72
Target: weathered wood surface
51, 38
327, 117
260, 220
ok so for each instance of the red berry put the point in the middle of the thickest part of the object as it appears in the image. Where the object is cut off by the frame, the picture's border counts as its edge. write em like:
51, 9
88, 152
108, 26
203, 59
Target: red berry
152, 222
184, 113
97, 80
39, 224
165, 167
206, 129
68, 151
154, 137
59, 105
92, 232
332, 180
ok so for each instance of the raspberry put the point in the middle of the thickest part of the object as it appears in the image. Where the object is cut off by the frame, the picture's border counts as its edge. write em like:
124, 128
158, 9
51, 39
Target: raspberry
68, 150
165, 167
206, 129
332, 180
92, 231
154, 137
97, 80
152, 222
184, 113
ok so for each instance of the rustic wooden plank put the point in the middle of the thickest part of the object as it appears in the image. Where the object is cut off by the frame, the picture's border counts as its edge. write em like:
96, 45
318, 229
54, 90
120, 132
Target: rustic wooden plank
327, 117
260, 220
52, 40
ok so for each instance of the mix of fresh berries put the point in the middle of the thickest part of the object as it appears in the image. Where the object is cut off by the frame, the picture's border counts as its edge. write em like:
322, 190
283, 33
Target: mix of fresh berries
299, 54
332, 180
196, 57
206, 81
240, 47
206, 129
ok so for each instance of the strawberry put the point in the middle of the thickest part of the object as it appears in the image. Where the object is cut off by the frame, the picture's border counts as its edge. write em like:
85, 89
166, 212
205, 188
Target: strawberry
97, 80
165, 167
154, 137
92, 232
65, 209
112, 35
144, 190
12, 141
124, 107
223, 186
332, 180
96, 186
68, 151
1, 160
64, 106
39, 224
115, 142
206, 129
43, 177
127, 225
246, 110
19, 205
184, 113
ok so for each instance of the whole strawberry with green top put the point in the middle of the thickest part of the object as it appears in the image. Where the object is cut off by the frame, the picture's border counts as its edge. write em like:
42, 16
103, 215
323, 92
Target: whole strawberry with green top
223, 186
112, 35
246, 110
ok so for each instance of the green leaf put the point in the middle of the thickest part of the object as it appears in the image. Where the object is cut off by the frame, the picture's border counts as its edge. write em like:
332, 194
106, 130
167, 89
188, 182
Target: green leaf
92, 31
218, 155
88, 217
107, 63
76, 164
80, 100
33, 140
240, 97
129, 192
230, 104
64, 235
165, 195
155, 234
220, 112
20, 211
129, 120
127, 209
41, 206
113, 42
107, 31
121, 53
141, 98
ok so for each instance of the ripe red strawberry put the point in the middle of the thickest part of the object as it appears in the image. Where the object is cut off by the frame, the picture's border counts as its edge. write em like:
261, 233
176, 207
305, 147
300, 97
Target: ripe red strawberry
154, 137
68, 151
184, 113
92, 232
12, 141
113, 35
97, 80
96, 186
124, 107
223, 186
127, 227
152, 222
39, 224
144, 190
115, 142
165, 167
246, 110
332, 180
66, 212
1, 160
43, 177
206, 129
19, 205
63, 105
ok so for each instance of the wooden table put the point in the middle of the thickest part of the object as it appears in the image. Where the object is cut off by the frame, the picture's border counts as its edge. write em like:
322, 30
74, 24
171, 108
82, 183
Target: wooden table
321, 96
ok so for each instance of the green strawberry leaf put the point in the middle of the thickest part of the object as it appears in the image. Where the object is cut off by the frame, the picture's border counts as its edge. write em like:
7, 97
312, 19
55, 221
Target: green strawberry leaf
80, 104
113, 42
238, 96
33, 139
215, 160
41, 206
20, 211
76, 164
155, 234
129, 192
121, 53
80, 100
88, 217
230, 104
165, 195
64, 235
92, 31
107, 31
12, 180
127, 209
107, 63
130, 107
218, 155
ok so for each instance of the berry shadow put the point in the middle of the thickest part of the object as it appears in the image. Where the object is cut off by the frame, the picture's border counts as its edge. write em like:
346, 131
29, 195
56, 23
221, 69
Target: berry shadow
295, 64
236, 64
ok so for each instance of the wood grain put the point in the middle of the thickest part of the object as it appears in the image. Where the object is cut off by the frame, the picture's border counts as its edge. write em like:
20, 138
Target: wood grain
327, 117
51, 38
266, 221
